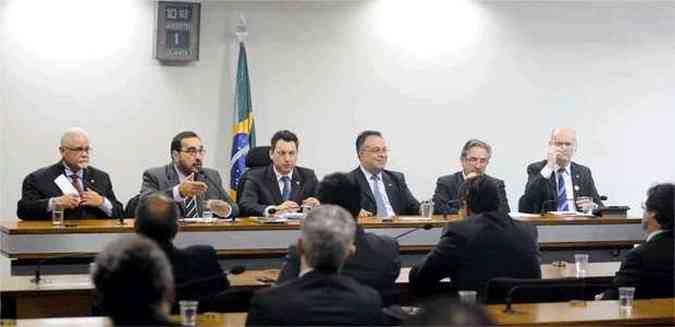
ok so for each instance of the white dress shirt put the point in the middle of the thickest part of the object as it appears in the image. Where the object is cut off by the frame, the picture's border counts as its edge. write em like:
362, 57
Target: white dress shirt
383, 190
547, 172
280, 183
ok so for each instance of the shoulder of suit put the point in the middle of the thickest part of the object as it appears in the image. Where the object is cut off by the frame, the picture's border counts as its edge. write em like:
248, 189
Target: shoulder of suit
196, 250
156, 171
305, 171
397, 174
447, 178
95, 171
384, 240
210, 172
538, 165
495, 179
44, 172
579, 167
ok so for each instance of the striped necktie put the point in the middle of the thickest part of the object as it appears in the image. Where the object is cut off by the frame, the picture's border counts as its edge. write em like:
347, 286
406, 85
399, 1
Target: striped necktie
562, 193
191, 207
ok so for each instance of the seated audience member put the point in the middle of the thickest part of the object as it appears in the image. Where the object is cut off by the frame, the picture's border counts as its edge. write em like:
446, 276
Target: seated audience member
195, 268
475, 157
188, 183
376, 262
649, 267
556, 183
446, 312
321, 295
485, 245
384, 193
282, 186
82, 191
133, 282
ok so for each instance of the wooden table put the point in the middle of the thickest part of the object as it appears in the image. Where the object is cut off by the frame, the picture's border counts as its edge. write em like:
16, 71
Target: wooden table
250, 238
30, 300
594, 313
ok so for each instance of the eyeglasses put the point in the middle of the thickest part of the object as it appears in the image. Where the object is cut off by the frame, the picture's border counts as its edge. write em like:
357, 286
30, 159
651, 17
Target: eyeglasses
80, 149
477, 160
193, 152
376, 150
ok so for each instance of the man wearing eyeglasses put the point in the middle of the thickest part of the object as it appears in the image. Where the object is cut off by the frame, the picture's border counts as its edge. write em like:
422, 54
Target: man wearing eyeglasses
384, 193
71, 185
557, 183
475, 157
187, 182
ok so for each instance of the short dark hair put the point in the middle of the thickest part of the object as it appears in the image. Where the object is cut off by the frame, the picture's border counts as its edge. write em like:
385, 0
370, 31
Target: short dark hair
176, 141
447, 312
480, 194
132, 277
363, 136
660, 200
472, 143
285, 135
339, 189
157, 218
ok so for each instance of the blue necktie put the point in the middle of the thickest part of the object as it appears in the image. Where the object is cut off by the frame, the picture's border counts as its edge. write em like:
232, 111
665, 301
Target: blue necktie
562, 193
379, 199
286, 191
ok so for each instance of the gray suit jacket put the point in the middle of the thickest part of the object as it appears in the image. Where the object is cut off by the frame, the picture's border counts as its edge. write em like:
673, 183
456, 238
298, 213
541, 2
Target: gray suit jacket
164, 178
446, 194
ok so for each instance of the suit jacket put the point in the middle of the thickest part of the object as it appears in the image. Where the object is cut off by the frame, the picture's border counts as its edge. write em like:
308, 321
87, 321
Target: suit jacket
402, 201
38, 187
376, 263
261, 189
447, 189
477, 249
196, 271
164, 178
648, 268
315, 299
538, 189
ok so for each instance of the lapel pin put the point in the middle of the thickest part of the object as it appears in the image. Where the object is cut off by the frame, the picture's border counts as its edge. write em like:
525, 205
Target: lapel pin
576, 187
297, 182
91, 181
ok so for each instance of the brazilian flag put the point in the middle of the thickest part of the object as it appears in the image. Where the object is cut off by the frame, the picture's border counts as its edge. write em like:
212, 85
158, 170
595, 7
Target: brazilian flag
243, 129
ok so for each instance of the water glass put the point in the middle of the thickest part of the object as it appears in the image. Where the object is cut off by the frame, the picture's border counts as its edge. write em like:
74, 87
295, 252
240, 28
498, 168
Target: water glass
585, 204
468, 297
206, 209
581, 261
626, 295
427, 209
188, 312
57, 217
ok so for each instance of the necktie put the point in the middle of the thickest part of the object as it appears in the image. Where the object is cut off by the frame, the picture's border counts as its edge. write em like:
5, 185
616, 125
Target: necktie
286, 191
562, 193
379, 199
191, 207
76, 183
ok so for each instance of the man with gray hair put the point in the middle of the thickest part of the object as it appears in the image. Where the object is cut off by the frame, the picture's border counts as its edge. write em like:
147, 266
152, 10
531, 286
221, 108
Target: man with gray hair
80, 190
558, 183
321, 296
475, 157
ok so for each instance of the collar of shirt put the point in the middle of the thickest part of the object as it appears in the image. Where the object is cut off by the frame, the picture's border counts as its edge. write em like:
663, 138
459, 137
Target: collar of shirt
369, 175
567, 169
278, 175
69, 172
654, 233
304, 272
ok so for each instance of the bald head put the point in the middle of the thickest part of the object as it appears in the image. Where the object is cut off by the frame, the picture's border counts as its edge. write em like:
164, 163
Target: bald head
564, 143
73, 133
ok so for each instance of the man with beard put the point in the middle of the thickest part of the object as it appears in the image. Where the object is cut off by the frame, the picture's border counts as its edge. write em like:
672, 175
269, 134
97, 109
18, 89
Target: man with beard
187, 182
71, 184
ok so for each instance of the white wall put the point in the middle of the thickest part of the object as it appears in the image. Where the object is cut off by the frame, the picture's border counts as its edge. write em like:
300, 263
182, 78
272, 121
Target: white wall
428, 74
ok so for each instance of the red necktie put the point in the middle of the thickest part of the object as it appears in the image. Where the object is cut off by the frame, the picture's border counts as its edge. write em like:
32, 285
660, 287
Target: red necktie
76, 183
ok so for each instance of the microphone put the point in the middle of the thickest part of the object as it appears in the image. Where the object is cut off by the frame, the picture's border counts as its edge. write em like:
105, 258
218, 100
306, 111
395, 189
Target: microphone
426, 226
544, 284
37, 277
603, 198
208, 180
234, 270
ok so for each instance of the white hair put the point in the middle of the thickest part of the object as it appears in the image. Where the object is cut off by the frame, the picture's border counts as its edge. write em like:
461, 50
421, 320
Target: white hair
72, 132
327, 235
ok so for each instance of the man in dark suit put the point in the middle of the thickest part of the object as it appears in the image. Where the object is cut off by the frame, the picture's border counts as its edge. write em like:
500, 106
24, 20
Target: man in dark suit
475, 157
649, 267
485, 245
189, 184
133, 282
384, 193
321, 295
71, 184
196, 271
282, 186
557, 183
376, 262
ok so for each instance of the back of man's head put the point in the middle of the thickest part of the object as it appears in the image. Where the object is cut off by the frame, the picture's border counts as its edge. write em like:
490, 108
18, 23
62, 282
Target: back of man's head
327, 237
133, 281
480, 194
340, 190
157, 218
660, 199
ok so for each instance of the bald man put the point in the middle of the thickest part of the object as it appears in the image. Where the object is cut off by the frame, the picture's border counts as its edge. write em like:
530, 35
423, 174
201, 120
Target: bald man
71, 184
557, 183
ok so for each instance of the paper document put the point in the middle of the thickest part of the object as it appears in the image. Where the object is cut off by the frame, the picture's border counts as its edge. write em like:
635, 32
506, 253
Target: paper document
65, 185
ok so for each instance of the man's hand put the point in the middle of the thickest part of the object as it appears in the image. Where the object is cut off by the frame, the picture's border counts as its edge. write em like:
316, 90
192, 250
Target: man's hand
472, 175
220, 207
311, 202
287, 206
552, 153
67, 201
91, 199
189, 188
365, 213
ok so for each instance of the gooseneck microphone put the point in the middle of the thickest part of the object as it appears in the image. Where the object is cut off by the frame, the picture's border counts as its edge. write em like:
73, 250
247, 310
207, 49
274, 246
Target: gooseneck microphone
234, 270
426, 226
37, 277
